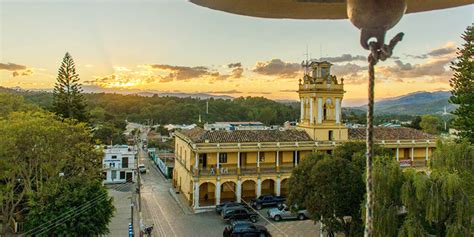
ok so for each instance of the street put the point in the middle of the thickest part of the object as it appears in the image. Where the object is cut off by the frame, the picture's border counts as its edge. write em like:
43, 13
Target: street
169, 219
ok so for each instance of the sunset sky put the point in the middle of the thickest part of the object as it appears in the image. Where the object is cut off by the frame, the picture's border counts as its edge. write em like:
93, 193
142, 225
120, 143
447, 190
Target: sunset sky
176, 46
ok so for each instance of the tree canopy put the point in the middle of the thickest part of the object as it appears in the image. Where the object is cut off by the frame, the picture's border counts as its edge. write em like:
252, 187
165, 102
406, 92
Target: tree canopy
68, 99
43, 156
463, 87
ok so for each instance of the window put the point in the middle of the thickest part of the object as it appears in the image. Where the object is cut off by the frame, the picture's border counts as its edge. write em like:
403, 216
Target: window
124, 162
114, 174
112, 164
262, 157
114, 157
222, 157
330, 135
122, 174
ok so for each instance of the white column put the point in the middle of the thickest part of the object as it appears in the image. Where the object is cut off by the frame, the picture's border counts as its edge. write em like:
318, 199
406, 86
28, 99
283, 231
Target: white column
259, 187
277, 158
196, 161
412, 153
320, 110
311, 118
238, 159
217, 160
196, 194
278, 186
426, 153
258, 158
239, 190
302, 109
296, 158
398, 157
218, 192
338, 110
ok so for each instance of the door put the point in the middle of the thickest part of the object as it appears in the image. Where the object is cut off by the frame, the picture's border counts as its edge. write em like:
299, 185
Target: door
243, 159
204, 160
129, 176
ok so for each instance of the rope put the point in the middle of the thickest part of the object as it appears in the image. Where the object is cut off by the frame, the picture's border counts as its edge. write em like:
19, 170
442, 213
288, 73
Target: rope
376, 53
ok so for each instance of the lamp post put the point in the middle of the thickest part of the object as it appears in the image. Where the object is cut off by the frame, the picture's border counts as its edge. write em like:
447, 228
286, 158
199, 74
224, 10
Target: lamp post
373, 17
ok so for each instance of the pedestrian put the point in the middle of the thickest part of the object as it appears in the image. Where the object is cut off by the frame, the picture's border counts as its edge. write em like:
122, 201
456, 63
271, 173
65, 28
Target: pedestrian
227, 231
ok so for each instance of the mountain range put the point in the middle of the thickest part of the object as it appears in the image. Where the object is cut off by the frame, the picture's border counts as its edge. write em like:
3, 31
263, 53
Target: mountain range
416, 103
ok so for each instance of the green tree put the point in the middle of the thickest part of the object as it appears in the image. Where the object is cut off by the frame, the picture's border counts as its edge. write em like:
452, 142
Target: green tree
436, 204
456, 157
108, 134
35, 149
327, 180
68, 99
430, 124
86, 199
388, 180
463, 87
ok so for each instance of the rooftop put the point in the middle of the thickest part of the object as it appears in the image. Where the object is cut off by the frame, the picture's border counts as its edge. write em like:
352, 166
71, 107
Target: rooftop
199, 135
390, 133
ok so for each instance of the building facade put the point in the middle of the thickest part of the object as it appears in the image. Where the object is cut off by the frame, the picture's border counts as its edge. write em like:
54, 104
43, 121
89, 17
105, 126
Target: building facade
213, 166
119, 164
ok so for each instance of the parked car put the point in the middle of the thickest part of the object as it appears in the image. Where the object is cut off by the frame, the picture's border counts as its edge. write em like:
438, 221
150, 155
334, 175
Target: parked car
239, 213
245, 228
141, 168
223, 206
267, 201
284, 212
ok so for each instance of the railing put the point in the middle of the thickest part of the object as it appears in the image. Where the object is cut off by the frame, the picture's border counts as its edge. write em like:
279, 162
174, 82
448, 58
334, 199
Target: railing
119, 166
298, 145
415, 163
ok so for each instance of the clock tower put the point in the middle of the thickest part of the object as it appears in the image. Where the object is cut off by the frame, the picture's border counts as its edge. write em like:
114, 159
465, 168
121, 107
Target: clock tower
321, 98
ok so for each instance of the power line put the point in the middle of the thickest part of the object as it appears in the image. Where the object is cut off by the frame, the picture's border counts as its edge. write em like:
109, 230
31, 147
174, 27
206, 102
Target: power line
78, 208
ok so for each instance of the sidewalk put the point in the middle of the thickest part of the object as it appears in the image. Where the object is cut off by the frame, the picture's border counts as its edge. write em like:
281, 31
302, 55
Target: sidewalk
122, 202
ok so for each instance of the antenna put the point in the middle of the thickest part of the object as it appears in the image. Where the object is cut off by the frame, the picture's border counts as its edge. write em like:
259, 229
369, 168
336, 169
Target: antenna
320, 51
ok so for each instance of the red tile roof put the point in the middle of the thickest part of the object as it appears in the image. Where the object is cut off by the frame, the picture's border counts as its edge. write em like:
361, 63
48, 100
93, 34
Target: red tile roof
389, 133
199, 135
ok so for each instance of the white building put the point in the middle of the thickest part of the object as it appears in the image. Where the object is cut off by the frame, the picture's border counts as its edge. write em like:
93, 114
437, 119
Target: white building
234, 126
119, 164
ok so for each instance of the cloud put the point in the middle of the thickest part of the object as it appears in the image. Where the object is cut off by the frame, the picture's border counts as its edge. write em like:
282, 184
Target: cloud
433, 67
183, 72
16, 69
27, 72
234, 65
276, 67
347, 69
344, 58
223, 92
447, 49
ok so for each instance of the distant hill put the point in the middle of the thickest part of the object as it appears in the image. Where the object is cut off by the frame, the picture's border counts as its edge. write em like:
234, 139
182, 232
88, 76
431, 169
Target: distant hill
417, 103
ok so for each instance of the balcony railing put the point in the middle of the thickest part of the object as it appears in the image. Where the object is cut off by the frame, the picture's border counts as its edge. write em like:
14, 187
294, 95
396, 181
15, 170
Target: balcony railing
416, 163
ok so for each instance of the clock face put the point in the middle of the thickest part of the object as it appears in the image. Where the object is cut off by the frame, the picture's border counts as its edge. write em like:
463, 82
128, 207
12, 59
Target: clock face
329, 101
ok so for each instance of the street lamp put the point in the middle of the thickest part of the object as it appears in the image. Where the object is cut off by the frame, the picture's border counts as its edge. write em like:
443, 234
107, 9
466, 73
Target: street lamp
373, 17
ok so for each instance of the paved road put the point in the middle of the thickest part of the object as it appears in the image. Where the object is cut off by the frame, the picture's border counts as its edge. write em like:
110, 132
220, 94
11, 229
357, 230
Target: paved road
169, 219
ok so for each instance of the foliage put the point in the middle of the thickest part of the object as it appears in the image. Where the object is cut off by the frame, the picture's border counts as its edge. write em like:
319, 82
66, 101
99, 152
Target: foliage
35, 148
108, 134
430, 124
68, 101
317, 183
415, 123
11, 102
456, 157
70, 195
463, 87
388, 179
436, 204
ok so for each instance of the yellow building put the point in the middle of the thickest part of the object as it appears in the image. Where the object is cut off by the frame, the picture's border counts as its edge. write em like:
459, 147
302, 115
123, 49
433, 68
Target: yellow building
215, 166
